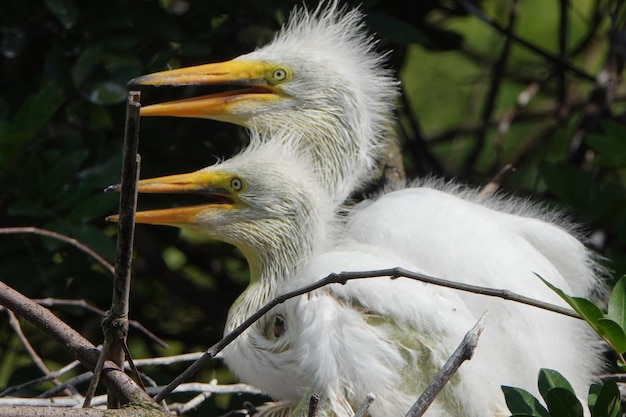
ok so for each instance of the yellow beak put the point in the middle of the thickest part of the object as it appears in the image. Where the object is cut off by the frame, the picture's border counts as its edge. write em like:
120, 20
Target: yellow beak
254, 74
206, 183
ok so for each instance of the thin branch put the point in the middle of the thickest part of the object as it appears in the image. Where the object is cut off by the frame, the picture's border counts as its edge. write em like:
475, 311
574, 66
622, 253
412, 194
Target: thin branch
72, 382
563, 56
504, 125
63, 238
369, 399
45, 378
15, 324
50, 302
463, 352
495, 81
115, 324
492, 186
114, 378
472, 9
343, 278
313, 403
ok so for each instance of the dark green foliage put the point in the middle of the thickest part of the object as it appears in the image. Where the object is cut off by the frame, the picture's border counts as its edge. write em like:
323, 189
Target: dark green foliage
560, 398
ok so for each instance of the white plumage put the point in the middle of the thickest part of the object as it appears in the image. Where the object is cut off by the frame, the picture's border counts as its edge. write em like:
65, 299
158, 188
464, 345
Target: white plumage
319, 110
378, 335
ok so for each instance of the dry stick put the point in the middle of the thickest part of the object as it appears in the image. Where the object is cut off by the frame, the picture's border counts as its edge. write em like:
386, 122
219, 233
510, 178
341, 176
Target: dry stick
83, 304
369, 399
563, 57
51, 302
63, 238
492, 186
462, 353
343, 278
523, 99
80, 348
472, 9
15, 324
495, 82
115, 324
52, 375
313, 403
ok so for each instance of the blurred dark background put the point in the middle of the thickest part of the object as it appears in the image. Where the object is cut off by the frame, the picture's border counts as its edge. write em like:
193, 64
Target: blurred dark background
64, 65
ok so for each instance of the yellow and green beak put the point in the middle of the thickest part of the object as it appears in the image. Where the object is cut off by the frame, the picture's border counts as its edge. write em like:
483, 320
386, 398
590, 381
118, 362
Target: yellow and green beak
211, 184
259, 78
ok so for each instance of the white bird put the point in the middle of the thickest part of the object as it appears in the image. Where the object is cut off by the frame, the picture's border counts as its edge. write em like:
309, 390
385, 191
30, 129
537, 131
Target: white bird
318, 94
320, 77
377, 335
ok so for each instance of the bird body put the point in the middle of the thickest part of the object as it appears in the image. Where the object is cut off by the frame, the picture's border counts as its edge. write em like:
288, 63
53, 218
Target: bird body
378, 335
318, 105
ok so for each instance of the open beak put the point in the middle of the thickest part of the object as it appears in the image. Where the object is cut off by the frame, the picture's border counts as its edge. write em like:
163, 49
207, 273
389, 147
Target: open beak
206, 183
251, 74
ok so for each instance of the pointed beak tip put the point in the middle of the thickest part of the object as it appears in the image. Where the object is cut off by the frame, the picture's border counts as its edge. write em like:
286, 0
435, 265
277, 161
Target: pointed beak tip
112, 218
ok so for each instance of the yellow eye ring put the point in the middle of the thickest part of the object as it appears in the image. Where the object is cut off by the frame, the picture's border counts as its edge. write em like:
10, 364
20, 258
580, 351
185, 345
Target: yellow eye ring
236, 184
279, 74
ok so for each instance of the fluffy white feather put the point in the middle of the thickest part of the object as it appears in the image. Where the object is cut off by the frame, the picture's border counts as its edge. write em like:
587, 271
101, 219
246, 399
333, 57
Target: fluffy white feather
390, 337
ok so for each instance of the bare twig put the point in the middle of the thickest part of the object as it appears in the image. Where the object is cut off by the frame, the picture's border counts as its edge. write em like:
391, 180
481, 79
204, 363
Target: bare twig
115, 324
523, 99
343, 278
15, 324
492, 186
131, 364
130, 411
313, 403
49, 302
495, 81
63, 238
463, 352
114, 378
563, 57
50, 376
472, 9
369, 399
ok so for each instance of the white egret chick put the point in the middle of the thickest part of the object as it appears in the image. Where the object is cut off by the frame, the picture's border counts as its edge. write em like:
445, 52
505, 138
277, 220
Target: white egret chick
320, 77
377, 335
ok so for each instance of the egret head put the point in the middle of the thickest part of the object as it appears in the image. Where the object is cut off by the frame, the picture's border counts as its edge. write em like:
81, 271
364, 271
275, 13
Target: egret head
320, 59
321, 76
262, 201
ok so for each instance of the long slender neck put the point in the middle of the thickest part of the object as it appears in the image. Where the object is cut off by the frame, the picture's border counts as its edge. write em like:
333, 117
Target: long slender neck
277, 250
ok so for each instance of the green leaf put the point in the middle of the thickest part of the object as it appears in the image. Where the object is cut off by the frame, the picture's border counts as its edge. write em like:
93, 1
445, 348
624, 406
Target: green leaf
617, 303
522, 402
608, 402
585, 308
613, 334
562, 402
32, 116
594, 391
549, 379
86, 64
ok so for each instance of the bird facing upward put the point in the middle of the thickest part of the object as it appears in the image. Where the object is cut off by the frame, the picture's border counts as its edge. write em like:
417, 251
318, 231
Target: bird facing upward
382, 336
320, 77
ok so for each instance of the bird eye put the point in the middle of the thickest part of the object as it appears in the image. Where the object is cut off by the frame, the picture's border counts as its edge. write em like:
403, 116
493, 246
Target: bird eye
236, 184
279, 74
